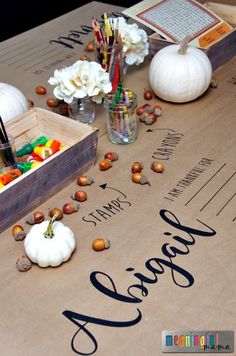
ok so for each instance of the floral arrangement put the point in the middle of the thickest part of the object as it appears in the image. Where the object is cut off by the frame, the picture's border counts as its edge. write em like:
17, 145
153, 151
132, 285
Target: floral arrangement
134, 41
79, 80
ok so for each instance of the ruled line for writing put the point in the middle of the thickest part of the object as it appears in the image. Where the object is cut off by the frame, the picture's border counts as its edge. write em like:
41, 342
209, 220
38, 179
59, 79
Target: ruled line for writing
200, 189
32, 59
45, 59
218, 191
225, 204
11, 45
34, 51
14, 52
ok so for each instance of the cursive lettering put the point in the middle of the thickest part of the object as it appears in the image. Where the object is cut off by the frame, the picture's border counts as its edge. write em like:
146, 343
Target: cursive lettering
155, 266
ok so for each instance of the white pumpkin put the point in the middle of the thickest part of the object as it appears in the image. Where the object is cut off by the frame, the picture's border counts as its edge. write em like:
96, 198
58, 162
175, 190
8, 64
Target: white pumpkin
49, 243
12, 102
180, 73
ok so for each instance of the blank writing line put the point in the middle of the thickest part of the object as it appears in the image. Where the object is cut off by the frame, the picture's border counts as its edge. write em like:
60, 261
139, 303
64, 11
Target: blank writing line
42, 60
33, 58
28, 54
226, 204
16, 49
217, 192
206, 183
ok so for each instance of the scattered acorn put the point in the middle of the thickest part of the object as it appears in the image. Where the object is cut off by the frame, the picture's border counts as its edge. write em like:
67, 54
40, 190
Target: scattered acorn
148, 114
90, 46
63, 109
140, 179
105, 164
52, 102
41, 90
79, 195
100, 244
69, 208
58, 211
139, 110
35, 218
23, 264
157, 110
213, 83
30, 103
83, 57
84, 180
148, 94
136, 167
157, 167
112, 156
18, 232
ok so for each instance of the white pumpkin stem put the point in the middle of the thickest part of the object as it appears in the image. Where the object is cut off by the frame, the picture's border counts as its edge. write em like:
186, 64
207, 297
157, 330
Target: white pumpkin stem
184, 45
48, 234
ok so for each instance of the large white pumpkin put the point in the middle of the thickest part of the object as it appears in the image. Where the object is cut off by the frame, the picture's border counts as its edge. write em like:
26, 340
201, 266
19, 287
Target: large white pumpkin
12, 102
180, 73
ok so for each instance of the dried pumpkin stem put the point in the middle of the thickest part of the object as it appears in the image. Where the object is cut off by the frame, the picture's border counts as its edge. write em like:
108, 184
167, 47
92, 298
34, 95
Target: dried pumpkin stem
48, 234
184, 45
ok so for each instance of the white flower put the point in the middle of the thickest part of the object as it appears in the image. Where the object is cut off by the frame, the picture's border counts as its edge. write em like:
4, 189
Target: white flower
134, 41
81, 79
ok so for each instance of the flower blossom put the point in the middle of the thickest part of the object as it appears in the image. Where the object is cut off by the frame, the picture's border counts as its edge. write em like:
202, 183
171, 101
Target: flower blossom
81, 79
134, 41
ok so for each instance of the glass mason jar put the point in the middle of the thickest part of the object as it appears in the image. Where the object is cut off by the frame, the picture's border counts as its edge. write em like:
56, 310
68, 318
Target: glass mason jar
121, 119
82, 110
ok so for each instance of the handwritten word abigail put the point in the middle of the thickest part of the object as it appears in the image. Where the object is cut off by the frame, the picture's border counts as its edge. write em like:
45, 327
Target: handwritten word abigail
178, 244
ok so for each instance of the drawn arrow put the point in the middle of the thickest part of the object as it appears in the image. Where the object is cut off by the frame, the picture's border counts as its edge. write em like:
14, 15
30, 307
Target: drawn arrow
104, 186
151, 130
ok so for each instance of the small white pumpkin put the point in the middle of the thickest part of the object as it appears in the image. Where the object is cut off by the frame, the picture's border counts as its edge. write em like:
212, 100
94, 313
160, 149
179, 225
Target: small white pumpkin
49, 243
12, 102
180, 73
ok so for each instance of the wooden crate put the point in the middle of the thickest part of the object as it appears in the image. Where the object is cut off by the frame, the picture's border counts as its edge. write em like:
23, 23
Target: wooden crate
34, 187
219, 53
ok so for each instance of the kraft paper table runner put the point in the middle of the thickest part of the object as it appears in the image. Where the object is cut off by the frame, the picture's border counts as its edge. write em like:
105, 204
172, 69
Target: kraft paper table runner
191, 207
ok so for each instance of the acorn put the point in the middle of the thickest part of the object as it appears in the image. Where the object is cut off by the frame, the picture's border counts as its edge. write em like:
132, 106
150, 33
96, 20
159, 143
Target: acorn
136, 167
150, 119
69, 208
148, 94
18, 232
83, 57
157, 110
41, 90
23, 264
79, 195
213, 83
35, 218
112, 156
90, 46
84, 180
63, 109
105, 164
52, 102
139, 110
100, 244
30, 103
53, 211
157, 167
140, 179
